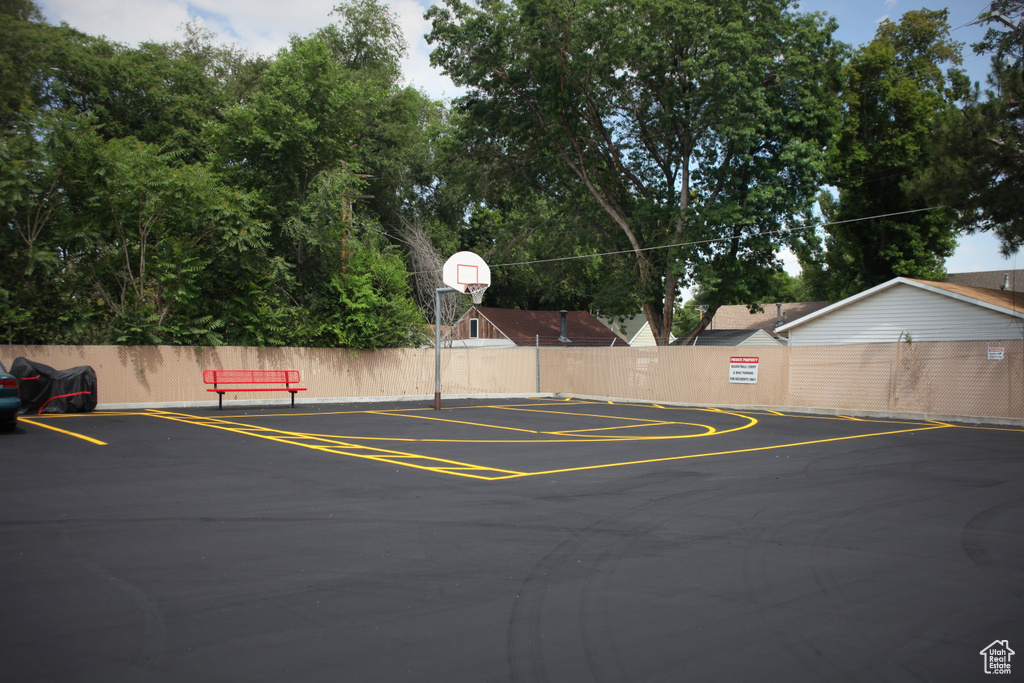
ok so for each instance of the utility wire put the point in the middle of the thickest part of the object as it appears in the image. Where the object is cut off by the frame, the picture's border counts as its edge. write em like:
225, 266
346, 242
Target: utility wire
716, 239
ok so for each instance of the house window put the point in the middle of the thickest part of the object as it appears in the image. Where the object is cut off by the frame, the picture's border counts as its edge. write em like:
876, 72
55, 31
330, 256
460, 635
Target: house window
474, 328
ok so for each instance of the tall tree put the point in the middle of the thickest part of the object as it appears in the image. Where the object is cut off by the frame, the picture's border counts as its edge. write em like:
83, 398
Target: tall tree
895, 90
695, 123
185, 193
980, 148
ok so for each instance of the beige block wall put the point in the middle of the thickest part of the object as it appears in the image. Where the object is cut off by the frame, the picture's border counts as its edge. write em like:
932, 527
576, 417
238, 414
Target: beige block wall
923, 378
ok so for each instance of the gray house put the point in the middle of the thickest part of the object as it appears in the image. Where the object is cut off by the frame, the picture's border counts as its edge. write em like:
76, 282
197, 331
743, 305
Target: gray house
905, 309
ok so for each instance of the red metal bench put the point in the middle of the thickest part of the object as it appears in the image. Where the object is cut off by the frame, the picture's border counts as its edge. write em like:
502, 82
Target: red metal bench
219, 377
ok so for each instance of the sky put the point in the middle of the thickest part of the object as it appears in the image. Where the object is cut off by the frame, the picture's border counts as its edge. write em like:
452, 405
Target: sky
264, 26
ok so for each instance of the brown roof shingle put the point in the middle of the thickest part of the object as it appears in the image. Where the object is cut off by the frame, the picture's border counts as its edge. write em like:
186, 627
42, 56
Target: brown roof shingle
1007, 298
989, 279
524, 327
740, 317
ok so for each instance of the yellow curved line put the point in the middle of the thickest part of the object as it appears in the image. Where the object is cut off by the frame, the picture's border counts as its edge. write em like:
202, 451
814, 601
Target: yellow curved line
705, 455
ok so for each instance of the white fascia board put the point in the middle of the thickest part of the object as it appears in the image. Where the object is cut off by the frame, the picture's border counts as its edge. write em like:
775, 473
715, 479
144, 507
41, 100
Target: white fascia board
892, 283
841, 304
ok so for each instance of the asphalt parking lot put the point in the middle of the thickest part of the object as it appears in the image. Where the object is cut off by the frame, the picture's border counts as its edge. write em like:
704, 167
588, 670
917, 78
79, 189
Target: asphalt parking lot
522, 540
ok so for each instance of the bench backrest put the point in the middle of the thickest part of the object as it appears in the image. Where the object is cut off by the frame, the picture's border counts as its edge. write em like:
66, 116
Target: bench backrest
250, 376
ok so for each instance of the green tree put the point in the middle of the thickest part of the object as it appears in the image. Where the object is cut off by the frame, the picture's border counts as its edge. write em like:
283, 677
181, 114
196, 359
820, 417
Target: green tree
185, 193
24, 10
980, 148
692, 123
895, 91
372, 305
151, 234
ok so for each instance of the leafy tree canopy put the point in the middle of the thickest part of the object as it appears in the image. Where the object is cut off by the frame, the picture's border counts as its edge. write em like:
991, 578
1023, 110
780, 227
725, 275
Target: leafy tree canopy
665, 122
187, 193
980, 148
894, 91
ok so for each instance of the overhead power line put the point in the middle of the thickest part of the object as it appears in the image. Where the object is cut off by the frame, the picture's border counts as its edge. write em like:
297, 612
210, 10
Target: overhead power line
716, 239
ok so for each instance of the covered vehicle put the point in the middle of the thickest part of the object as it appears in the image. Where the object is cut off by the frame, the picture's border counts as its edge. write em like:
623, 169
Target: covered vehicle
45, 390
10, 400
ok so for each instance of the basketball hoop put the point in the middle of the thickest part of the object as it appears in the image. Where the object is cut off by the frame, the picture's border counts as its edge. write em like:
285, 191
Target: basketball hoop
476, 290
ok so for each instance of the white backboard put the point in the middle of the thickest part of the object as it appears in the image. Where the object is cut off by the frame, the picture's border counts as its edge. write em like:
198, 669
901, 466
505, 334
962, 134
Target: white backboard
465, 268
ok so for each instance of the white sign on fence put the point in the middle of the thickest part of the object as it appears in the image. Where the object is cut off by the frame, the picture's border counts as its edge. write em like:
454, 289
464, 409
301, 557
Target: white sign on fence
995, 353
743, 369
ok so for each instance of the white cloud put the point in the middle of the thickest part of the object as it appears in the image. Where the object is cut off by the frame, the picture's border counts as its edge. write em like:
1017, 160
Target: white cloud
124, 22
260, 26
416, 66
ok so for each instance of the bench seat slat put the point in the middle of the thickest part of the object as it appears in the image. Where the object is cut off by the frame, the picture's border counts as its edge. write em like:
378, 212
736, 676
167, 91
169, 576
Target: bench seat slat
250, 376
231, 390
219, 378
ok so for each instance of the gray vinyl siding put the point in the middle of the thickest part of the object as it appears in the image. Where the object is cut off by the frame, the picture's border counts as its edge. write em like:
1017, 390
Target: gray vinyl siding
891, 314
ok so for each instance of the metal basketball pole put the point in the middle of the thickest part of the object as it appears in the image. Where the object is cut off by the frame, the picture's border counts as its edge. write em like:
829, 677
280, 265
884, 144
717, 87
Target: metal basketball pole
437, 343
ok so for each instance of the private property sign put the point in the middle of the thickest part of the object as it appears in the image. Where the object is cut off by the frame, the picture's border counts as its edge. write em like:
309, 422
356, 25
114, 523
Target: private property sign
743, 369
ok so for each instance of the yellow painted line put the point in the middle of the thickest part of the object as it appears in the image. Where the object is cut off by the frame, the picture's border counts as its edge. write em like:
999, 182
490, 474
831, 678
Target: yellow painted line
569, 432
93, 413
458, 422
988, 429
63, 431
705, 455
230, 425
337, 447
572, 414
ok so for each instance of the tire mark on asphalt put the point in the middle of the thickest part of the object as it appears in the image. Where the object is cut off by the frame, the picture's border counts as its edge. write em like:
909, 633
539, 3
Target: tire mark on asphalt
976, 536
525, 650
603, 542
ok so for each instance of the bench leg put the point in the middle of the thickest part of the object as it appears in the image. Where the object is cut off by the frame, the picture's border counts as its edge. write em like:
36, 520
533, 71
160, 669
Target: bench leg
220, 400
293, 397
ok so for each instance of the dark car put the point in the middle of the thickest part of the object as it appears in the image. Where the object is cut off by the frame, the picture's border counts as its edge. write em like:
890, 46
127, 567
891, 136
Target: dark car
10, 400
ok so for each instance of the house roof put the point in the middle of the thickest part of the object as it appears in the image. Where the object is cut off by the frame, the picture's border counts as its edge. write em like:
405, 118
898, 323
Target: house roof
635, 329
627, 327
989, 279
1009, 302
524, 327
740, 317
731, 338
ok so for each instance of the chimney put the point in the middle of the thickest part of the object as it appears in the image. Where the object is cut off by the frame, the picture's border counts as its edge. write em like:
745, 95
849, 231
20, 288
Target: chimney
564, 337
1006, 282
778, 315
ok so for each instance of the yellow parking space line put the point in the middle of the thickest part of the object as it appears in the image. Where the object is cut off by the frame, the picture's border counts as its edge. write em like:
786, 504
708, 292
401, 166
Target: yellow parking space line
336, 446
83, 437
414, 460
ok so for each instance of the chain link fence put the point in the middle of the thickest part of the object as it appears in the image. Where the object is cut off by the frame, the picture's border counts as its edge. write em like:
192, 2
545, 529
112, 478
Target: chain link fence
976, 379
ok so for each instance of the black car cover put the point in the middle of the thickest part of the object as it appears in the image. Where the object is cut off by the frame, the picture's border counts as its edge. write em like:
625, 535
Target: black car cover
45, 390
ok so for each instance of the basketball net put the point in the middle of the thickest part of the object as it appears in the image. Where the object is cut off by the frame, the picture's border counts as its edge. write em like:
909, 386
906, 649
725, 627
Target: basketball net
477, 292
